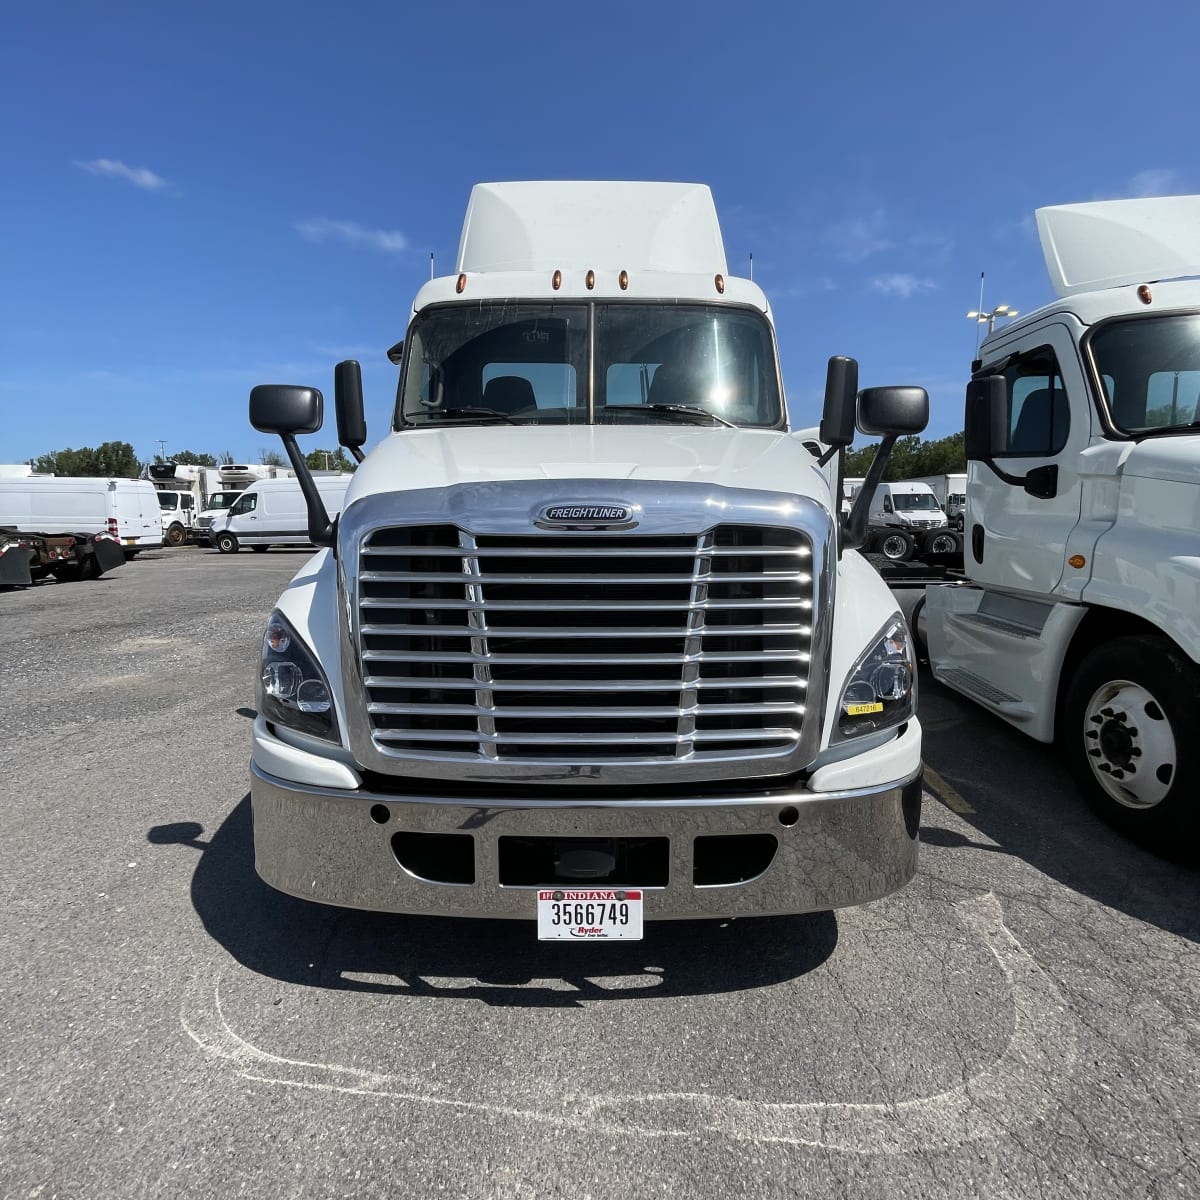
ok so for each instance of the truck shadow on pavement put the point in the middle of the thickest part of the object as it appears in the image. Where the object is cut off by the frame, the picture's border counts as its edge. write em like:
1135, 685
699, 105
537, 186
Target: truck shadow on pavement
498, 962
1026, 805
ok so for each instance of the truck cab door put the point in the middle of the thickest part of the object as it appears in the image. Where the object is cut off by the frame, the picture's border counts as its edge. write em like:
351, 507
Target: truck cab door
1015, 540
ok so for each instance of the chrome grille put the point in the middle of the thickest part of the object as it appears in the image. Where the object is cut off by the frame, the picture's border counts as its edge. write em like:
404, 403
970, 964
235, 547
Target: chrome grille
585, 648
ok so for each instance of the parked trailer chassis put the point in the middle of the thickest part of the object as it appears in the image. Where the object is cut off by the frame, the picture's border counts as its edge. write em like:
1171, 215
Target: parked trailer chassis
27, 557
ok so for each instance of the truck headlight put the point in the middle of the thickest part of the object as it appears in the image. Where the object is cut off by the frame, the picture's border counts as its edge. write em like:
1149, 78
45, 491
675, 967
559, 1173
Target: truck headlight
882, 689
292, 688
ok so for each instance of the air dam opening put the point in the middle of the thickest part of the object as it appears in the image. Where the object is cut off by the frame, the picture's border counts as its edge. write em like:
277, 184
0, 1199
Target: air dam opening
613, 862
732, 858
436, 857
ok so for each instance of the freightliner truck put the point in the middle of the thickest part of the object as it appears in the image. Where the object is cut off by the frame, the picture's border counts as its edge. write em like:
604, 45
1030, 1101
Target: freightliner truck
589, 640
1081, 618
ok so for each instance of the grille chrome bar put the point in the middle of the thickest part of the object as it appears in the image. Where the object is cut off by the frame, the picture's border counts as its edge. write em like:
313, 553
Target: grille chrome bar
477, 653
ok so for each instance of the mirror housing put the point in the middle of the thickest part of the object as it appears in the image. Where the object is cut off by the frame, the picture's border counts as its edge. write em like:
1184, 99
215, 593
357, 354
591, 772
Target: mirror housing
892, 411
838, 413
396, 353
286, 409
348, 404
985, 419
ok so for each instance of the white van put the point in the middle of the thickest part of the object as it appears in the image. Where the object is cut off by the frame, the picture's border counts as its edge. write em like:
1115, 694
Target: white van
911, 506
272, 513
126, 508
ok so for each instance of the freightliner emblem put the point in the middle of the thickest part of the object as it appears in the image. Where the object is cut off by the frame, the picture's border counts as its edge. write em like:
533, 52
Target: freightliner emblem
586, 516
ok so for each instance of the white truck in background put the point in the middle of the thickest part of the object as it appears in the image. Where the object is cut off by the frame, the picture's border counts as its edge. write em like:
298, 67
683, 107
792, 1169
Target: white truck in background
905, 521
1081, 619
193, 497
589, 640
950, 491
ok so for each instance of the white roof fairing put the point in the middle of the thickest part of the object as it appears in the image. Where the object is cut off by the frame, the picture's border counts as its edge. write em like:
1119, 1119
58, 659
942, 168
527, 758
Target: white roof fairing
602, 225
1112, 243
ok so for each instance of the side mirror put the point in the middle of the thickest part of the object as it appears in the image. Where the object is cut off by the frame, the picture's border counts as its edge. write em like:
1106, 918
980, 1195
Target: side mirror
348, 404
887, 505
396, 353
285, 409
985, 420
892, 411
838, 413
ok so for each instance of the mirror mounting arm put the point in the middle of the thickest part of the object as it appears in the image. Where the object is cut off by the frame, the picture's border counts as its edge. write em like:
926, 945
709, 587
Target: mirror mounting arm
854, 526
321, 530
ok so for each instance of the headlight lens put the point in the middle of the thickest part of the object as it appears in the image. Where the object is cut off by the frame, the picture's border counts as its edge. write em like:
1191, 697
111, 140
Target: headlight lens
882, 688
292, 689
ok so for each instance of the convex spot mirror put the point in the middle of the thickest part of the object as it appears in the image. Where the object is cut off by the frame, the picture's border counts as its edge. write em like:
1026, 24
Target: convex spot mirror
285, 408
892, 411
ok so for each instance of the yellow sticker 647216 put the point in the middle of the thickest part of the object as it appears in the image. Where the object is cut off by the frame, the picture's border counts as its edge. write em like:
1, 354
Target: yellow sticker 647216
857, 710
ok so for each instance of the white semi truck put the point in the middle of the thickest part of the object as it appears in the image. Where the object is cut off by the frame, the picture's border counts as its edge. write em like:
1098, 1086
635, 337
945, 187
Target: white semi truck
589, 639
1081, 618
950, 492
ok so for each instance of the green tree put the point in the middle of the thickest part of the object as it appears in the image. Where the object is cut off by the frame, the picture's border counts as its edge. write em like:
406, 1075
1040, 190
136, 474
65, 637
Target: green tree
188, 458
329, 460
116, 459
911, 457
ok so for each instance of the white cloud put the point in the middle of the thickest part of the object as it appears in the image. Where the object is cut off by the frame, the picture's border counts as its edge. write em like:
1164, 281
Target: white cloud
387, 241
857, 238
1159, 182
140, 177
903, 286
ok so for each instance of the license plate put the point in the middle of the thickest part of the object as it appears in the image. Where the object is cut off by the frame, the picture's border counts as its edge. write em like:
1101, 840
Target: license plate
589, 914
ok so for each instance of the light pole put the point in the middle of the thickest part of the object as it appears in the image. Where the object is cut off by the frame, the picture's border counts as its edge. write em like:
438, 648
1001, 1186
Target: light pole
1001, 310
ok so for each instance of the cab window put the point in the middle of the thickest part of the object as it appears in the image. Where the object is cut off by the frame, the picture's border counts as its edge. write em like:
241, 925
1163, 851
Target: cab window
1039, 418
245, 503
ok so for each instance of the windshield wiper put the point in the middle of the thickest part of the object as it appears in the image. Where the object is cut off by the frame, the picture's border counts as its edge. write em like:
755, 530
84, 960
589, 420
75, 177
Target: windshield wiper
466, 413
682, 410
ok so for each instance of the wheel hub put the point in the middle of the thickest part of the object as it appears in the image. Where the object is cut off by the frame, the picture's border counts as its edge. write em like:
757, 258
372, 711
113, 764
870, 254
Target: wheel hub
1129, 744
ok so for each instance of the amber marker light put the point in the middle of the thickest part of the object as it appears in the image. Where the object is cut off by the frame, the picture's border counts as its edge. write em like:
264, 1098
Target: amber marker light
556, 280
1144, 293
623, 280
590, 280
1077, 561
461, 285
720, 282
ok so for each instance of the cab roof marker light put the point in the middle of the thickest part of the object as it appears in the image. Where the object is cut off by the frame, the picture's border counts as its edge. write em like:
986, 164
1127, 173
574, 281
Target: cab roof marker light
719, 280
556, 280
623, 280
461, 285
590, 280
1144, 294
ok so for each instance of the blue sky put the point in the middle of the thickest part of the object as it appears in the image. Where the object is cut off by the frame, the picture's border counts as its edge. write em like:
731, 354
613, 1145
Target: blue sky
198, 198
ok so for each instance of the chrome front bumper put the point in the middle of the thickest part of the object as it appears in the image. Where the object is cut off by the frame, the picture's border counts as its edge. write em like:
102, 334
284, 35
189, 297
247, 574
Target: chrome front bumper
334, 846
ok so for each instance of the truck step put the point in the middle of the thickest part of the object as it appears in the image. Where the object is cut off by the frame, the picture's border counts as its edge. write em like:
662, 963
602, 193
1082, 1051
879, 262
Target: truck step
984, 691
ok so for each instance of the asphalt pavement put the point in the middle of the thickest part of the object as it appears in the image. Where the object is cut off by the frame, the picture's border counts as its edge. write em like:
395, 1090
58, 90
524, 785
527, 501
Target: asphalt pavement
1022, 1020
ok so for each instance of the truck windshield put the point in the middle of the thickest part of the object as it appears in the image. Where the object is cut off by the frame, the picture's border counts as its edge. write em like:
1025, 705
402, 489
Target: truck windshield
904, 501
1149, 371
222, 499
532, 363
168, 500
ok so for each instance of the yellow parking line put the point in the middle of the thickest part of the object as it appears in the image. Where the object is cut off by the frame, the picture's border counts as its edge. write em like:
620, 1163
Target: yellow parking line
939, 789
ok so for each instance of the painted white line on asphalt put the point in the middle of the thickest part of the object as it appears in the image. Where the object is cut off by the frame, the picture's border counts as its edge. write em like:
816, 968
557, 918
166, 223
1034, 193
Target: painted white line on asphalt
1022, 1086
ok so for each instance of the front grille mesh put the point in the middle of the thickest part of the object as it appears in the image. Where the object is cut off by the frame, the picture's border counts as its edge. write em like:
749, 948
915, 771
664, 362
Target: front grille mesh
585, 648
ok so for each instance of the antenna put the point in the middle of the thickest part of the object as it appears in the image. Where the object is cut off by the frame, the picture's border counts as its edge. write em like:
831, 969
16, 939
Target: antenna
162, 449
431, 264
979, 325
751, 268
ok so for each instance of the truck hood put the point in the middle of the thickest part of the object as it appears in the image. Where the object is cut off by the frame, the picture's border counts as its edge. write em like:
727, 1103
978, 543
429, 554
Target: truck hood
1171, 457
743, 458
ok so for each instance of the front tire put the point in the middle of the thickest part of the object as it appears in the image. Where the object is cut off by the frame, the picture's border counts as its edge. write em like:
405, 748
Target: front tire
176, 535
1126, 734
227, 543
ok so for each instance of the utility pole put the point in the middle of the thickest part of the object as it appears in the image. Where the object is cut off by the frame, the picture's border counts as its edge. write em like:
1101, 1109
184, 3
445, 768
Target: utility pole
162, 449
